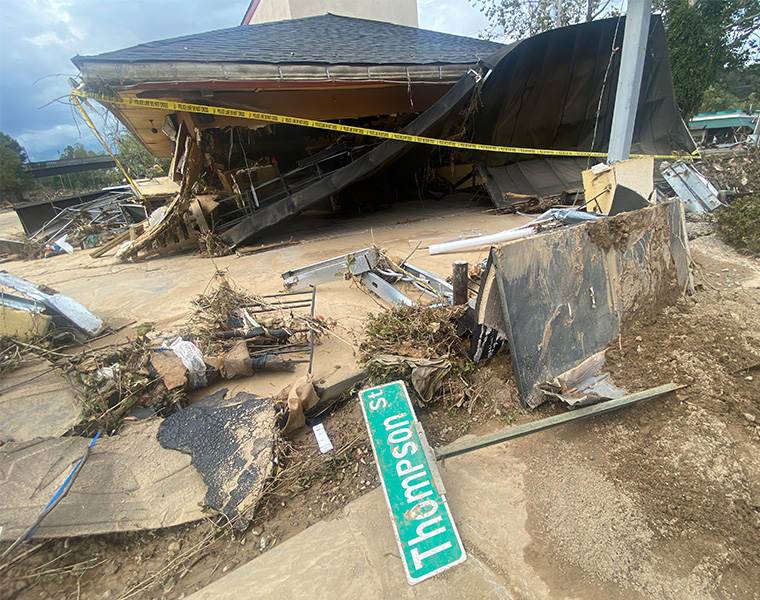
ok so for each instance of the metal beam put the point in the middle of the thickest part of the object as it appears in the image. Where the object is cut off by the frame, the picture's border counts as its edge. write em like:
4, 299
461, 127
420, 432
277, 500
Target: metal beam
354, 263
629, 80
521, 430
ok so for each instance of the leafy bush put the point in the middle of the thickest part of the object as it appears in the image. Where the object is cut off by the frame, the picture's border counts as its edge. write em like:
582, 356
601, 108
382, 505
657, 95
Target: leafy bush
739, 224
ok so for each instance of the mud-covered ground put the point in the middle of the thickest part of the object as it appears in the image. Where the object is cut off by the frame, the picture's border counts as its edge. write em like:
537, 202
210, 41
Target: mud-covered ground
658, 501
666, 496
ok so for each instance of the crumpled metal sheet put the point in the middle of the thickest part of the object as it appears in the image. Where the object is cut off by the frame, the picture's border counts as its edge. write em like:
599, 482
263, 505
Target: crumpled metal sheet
583, 385
74, 312
561, 296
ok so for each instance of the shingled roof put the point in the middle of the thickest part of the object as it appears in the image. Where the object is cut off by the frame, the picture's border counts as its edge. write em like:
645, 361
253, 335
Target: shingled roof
323, 40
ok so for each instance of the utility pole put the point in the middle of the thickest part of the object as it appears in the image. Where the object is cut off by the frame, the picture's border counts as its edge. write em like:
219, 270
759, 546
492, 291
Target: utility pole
629, 80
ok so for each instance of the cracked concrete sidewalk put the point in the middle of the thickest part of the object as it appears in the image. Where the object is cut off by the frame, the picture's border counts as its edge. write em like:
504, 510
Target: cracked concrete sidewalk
355, 554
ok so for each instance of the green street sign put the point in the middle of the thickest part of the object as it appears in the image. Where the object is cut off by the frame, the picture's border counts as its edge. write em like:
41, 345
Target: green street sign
425, 531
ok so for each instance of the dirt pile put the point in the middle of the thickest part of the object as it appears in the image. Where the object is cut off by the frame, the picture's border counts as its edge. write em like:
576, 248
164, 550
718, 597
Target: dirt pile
740, 174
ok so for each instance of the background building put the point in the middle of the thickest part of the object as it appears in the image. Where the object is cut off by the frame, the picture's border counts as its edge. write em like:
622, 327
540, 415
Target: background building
400, 12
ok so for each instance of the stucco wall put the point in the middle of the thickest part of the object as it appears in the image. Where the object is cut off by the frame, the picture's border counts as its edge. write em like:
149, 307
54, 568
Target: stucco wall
401, 12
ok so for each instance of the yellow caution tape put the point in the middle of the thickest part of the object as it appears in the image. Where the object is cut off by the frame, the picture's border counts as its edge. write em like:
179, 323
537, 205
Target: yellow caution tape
89, 122
168, 105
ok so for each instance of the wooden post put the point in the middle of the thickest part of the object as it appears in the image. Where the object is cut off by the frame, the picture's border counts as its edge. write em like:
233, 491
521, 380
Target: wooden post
459, 282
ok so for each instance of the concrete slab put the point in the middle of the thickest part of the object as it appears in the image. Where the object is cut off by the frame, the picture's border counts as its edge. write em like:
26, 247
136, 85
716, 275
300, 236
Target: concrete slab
129, 482
355, 554
352, 556
36, 401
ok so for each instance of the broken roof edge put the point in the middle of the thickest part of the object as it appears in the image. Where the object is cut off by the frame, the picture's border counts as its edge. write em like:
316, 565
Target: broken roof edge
132, 74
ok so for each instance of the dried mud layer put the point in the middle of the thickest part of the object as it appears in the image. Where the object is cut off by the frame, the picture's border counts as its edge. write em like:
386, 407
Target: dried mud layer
661, 500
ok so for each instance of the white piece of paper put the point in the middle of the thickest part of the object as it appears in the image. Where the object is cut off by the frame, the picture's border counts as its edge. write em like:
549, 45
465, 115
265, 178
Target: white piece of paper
325, 445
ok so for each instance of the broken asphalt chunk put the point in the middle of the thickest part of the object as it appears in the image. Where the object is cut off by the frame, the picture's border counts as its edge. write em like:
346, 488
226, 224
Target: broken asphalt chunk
231, 442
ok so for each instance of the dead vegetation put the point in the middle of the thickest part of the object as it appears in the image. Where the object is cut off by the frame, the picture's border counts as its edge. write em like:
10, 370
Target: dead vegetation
14, 351
413, 331
421, 333
117, 381
121, 378
737, 173
32, 249
211, 246
216, 309
114, 380
224, 306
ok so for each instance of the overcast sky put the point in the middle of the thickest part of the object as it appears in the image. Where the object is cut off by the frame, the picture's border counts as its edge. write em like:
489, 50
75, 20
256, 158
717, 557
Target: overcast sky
39, 37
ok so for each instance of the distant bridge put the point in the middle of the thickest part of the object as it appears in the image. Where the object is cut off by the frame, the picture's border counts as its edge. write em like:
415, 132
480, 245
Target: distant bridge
46, 168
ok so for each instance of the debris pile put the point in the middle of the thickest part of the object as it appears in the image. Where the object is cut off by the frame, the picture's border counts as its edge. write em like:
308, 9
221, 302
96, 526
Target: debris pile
58, 226
13, 351
239, 332
149, 375
87, 225
390, 278
116, 382
232, 334
738, 174
152, 221
419, 345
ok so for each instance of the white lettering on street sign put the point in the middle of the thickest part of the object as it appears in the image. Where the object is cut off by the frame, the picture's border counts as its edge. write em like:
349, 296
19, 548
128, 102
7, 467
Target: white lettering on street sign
427, 537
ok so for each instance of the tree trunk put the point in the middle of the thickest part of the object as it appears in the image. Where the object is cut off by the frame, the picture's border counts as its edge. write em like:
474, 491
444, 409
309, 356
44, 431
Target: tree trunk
559, 20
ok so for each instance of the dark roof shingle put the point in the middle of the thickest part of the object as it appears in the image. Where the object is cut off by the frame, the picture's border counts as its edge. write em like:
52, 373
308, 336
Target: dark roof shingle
326, 39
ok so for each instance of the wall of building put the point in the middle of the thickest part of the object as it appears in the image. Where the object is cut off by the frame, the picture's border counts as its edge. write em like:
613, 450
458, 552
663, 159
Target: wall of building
267, 10
401, 12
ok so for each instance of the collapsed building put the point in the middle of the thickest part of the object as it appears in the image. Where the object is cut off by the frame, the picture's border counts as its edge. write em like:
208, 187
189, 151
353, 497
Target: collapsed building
554, 91
543, 106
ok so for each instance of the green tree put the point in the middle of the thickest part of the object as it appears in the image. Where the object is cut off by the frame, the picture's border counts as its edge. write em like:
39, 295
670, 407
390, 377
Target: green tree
517, 19
13, 178
706, 38
136, 159
717, 98
735, 89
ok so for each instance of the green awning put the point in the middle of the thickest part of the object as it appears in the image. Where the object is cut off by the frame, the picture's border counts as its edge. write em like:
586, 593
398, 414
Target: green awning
721, 122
